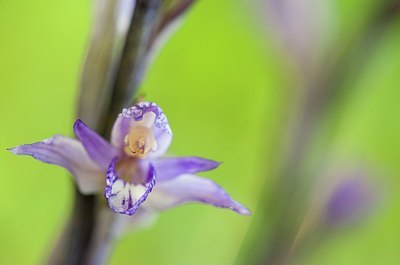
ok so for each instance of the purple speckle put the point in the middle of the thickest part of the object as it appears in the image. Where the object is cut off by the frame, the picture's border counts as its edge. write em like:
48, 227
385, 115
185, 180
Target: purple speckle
137, 111
128, 203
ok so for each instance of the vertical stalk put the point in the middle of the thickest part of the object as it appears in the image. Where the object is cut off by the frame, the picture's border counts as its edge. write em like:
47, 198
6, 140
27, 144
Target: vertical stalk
133, 62
88, 236
73, 243
279, 215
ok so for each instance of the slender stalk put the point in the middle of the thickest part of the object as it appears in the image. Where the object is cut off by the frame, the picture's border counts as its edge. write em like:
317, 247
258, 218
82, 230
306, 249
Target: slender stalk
273, 243
134, 57
107, 230
89, 235
99, 68
73, 243
173, 14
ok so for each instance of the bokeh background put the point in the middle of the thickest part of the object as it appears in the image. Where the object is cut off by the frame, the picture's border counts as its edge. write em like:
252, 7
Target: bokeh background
224, 81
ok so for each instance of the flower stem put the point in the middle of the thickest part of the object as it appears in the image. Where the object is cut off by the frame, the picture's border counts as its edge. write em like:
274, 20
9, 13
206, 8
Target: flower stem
134, 57
88, 237
107, 230
73, 244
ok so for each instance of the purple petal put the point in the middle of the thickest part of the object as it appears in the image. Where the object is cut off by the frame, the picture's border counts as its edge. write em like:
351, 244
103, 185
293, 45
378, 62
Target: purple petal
161, 129
98, 149
70, 154
124, 197
168, 168
191, 188
120, 129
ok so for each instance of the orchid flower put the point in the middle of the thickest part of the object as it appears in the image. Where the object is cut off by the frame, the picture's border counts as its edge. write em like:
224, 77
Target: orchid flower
131, 169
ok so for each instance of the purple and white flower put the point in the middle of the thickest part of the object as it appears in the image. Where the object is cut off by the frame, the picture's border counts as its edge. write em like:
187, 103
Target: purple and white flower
130, 168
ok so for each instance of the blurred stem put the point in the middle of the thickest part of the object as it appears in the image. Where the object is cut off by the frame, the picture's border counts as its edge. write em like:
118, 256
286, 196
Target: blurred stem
280, 214
134, 57
107, 231
99, 66
73, 243
173, 14
87, 238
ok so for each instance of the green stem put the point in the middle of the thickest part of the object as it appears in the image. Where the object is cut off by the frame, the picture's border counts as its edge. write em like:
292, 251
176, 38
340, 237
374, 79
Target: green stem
89, 235
279, 215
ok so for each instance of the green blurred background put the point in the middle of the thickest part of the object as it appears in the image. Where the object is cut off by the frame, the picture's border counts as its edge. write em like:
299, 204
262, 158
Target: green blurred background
219, 79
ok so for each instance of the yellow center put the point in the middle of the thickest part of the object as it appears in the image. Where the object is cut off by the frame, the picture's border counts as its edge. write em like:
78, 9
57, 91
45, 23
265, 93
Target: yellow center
140, 139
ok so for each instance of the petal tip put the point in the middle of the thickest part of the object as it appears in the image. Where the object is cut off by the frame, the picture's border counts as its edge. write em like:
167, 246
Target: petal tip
207, 164
214, 164
21, 150
240, 209
218, 164
13, 150
78, 123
